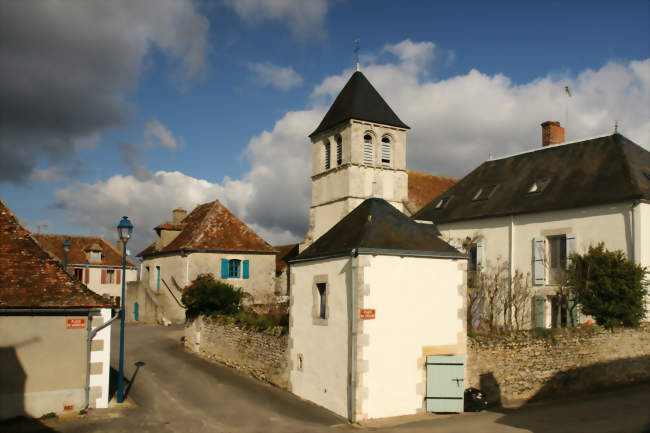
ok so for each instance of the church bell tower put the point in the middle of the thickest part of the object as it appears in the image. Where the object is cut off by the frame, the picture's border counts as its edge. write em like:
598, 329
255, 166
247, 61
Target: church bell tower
358, 152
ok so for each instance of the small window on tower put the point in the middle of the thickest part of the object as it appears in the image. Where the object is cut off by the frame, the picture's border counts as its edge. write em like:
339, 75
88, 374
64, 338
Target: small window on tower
327, 155
367, 149
339, 150
385, 151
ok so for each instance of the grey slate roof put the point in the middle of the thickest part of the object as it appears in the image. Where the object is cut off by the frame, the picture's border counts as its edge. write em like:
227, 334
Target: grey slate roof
375, 226
591, 172
359, 100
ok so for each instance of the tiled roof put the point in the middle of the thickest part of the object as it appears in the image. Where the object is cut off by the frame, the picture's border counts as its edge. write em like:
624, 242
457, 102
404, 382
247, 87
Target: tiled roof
591, 172
285, 253
31, 277
377, 227
424, 187
359, 100
111, 256
211, 226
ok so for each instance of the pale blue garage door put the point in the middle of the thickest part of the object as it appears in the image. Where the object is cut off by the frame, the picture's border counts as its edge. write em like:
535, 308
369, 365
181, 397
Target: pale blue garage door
445, 383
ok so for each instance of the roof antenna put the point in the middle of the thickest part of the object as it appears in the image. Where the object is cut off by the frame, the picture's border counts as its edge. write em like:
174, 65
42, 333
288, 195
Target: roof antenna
615, 126
566, 118
356, 53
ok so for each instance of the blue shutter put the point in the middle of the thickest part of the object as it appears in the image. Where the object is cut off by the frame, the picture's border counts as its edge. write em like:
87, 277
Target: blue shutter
224, 268
245, 274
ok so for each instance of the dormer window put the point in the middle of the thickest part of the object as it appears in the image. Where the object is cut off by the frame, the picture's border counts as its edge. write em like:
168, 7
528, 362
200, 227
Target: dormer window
385, 151
443, 202
339, 150
484, 193
327, 155
367, 149
538, 186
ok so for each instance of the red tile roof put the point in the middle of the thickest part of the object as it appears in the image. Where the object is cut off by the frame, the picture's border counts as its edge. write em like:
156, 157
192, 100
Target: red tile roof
211, 226
31, 277
111, 256
285, 253
169, 226
423, 188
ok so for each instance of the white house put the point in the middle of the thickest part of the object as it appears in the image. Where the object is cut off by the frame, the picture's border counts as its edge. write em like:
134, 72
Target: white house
55, 338
371, 301
210, 240
535, 208
92, 260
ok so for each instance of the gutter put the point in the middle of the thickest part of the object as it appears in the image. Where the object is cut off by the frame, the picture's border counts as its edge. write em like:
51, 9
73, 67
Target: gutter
352, 342
91, 334
385, 252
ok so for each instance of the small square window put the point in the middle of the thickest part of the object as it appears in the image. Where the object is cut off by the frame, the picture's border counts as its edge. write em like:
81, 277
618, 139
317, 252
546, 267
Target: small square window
443, 202
538, 186
484, 193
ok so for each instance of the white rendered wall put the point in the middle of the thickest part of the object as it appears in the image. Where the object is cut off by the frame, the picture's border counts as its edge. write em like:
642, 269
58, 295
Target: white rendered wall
95, 279
419, 312
323, 345
102, 356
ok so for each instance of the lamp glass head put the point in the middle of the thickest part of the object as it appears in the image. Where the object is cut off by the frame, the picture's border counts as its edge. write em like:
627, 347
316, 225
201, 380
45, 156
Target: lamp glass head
124, 229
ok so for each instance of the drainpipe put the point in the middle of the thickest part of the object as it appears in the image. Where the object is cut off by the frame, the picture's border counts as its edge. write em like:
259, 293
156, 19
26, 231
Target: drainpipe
352, 338
187, 269
91, 335
635, 203
512, 261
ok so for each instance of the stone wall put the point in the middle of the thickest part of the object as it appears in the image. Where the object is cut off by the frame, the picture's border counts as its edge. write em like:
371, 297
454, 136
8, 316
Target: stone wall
513, 369
260, 354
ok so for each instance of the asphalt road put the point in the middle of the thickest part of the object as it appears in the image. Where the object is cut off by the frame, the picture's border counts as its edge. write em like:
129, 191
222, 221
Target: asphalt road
171, 390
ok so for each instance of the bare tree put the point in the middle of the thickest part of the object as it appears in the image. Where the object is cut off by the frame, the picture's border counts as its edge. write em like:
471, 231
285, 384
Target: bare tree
520, 297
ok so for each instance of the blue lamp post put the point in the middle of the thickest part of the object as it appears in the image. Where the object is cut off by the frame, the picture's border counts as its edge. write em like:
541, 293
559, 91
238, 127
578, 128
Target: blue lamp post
124, 230
66, 250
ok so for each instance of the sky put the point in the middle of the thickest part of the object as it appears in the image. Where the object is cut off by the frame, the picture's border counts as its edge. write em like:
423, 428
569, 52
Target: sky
137, 107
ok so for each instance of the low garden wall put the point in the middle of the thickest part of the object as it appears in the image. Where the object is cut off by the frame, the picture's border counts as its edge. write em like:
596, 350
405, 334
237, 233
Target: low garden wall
262, 354
510, 368
515, 368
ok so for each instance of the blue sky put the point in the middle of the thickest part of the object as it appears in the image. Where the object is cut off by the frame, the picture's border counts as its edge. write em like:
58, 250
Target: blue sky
135, 108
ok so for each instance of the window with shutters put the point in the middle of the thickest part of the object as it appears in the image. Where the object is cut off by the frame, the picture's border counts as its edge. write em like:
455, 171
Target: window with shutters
339, 150
327, 155
385, 151
233, 268
367, 149
110, 277
557, 259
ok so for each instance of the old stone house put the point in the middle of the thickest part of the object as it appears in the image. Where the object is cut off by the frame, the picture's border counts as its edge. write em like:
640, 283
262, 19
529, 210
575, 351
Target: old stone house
534, 209
211, 239
55, 356
92, 260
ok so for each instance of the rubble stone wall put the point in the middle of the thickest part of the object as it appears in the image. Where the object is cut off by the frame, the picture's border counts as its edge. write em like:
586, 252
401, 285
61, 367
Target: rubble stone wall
515, 368
262, 354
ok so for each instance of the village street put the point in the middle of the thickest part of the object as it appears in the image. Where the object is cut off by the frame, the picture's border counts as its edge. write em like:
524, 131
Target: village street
174, 391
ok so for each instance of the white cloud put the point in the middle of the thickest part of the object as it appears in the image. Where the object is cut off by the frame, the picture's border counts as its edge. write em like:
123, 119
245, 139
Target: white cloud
456, 123
268, 74
156, 134
304, 18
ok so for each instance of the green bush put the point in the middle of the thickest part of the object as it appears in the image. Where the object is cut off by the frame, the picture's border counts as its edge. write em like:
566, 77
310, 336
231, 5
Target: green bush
609, 287
205, 295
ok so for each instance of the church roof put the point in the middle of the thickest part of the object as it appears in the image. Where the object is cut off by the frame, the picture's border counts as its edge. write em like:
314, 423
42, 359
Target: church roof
359, 100
376, 227
212, 227
590, 172
423, 188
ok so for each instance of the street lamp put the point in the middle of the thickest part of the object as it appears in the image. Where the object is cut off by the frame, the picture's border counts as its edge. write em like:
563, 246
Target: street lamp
124, 230
66, 250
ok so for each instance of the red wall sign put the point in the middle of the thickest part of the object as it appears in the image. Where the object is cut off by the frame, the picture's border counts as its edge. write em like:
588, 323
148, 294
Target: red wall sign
75, 324
367, 313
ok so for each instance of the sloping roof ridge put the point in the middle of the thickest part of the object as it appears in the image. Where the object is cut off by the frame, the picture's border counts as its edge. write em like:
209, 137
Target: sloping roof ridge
199, 227
554, 146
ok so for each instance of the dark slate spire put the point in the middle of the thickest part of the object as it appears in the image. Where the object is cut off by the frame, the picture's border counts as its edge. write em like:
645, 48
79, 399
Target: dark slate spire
359, 100
375, 226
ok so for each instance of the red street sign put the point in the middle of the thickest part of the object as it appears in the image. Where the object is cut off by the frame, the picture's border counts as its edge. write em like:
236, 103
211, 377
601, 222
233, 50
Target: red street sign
75, 324
367, 313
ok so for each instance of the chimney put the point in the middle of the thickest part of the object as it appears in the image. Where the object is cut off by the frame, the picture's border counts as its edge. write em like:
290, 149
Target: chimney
178, 215
552, 133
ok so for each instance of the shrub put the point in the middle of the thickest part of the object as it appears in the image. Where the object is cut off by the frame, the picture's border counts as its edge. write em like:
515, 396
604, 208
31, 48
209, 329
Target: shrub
205, 295
609, 287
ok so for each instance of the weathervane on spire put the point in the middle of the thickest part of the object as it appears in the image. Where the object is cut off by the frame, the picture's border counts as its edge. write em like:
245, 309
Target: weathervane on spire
356, 53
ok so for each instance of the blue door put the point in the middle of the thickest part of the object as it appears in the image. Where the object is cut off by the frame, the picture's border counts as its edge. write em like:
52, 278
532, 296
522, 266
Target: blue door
136, 311
445, 383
